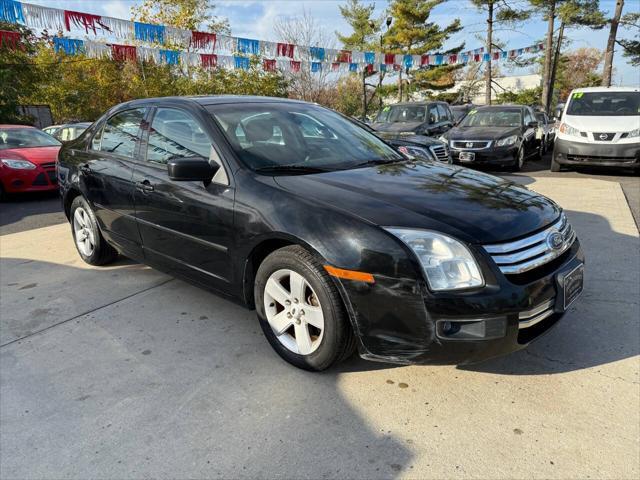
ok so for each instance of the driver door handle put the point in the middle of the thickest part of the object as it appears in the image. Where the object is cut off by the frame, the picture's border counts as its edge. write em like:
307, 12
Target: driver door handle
144, 186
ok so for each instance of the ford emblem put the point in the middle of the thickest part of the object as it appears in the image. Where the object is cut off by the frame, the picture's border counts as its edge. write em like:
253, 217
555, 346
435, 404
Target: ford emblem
555, 240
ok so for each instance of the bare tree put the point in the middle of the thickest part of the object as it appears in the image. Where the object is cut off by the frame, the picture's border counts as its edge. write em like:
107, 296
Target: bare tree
611, 41
305, 30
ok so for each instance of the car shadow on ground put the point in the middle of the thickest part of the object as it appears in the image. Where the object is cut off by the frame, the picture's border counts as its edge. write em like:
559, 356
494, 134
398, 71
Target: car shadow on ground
171, 382
26, 211
601, 327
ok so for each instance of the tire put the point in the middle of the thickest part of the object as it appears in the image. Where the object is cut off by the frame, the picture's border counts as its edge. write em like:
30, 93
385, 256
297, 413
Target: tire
318, 348
93, 249
518, 163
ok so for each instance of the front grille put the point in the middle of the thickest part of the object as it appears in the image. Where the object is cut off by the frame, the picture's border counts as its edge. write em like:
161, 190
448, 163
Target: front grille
595, 158
534, 251
440, 152
48, 165
40, 180
52, 176
603, 137
471, 144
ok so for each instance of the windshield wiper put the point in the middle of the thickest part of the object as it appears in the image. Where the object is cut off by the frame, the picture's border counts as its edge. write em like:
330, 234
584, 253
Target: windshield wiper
378, 161
291, 168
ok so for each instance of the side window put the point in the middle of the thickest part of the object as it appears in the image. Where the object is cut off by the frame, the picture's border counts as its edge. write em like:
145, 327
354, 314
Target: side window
120, 133
97, 137
443, 113
528, 117
432, 114
175, 133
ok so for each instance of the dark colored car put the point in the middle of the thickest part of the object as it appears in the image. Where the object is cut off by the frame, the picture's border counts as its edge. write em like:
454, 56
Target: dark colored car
336, 239
415, 118
67, 131
27, 160
461, 111
501, 135
546, 132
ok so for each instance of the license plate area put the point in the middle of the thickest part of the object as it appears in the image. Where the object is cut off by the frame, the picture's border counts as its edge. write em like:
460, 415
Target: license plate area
570, 286
467, 156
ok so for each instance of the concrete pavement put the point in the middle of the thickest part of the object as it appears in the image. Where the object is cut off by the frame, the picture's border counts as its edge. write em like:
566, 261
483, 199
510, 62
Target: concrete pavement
125, 373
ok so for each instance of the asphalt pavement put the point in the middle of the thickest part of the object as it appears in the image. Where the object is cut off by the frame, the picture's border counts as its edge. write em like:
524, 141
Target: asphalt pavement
124, 372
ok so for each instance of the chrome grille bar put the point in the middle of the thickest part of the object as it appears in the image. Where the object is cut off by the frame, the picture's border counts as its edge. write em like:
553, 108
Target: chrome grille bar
534, 251
531, 317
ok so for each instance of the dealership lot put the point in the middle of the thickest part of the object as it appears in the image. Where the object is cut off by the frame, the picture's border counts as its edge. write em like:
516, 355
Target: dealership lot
128, 372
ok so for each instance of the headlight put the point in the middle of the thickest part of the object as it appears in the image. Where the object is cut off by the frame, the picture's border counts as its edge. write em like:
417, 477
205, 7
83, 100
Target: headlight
17, 164
507, 141
634, 133
444, 139
447, 263
569, 130
416, 152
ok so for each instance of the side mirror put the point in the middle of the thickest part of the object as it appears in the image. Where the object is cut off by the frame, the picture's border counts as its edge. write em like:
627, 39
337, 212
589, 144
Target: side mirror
192, 169
533, 124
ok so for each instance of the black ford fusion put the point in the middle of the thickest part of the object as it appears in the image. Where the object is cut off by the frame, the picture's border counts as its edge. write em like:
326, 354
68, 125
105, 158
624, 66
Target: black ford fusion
337, 240
500, 136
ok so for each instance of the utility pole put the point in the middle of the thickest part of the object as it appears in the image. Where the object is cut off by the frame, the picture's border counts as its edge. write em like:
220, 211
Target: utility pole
546, 75
487, 72
611, 44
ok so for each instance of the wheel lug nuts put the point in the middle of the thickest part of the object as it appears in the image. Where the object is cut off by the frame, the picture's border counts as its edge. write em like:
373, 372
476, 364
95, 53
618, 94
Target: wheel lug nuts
295, 300
301, 312
289, 315
297, 321
287, 302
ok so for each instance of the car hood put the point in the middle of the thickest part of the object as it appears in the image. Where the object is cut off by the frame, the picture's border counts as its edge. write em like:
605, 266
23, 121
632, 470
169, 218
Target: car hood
473, 206
37, 155
396, 126
421, 140
481, 133
602, 123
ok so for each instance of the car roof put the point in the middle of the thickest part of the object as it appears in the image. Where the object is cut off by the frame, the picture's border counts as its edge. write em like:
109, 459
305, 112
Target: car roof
417, 104
209, 100
6, 125
506, 106
606, 89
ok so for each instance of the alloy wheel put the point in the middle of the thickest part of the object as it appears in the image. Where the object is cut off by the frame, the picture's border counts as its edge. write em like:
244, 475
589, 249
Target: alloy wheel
293, 311
83, 232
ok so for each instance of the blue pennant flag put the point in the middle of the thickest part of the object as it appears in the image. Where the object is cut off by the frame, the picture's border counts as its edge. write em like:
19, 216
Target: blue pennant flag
317, 53
241, 62
383, 67
407, 61
369, 57
172, 57
353, 67
316, 67
504, 54
11, 11
439, 59
248, 46
486, 57
465, 58
148, 32
70, 46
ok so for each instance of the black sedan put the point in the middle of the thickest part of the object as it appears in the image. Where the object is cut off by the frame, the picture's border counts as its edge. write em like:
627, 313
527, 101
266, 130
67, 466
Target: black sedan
501, 135
414, 118
337, 240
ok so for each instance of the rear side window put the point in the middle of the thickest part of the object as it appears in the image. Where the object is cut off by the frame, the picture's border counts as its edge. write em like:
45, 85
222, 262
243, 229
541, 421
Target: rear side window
433, 114
443, 113
121, 133
175, 133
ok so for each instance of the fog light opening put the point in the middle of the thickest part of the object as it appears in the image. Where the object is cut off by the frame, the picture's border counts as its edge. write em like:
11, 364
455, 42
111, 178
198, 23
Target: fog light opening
450, 328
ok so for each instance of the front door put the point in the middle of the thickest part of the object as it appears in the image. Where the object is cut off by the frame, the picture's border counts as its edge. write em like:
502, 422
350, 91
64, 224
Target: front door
185, 226
106, 174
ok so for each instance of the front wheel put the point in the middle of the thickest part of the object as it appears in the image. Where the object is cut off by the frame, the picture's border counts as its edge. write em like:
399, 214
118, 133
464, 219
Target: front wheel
555, 166
300, 310
519, 161
90, 243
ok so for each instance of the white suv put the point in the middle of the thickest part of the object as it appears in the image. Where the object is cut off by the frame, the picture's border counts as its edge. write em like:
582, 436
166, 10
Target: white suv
599, 126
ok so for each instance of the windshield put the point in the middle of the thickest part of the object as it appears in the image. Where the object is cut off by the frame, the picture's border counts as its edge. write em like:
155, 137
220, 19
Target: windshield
290, 135
402, 113
458, 113
611, 104
492, 118
24, 138
540, 118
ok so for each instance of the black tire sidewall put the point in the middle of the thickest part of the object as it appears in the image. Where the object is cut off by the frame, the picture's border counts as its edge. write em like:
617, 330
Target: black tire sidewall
329, 349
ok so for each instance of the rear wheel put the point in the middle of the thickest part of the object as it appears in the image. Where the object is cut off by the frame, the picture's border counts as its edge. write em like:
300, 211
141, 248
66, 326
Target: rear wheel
90, 243
300, 310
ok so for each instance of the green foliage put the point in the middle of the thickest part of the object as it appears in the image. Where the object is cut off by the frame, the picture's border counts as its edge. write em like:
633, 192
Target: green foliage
365, 27
186, 14
530, 96
631, 48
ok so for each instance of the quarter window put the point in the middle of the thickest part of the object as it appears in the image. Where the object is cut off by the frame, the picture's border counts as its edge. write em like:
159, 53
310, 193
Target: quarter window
175, 133
433, 115
120, 133
442, 113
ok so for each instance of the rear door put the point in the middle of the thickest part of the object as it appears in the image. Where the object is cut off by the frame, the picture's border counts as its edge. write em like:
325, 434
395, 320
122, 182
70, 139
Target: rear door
529, 135
185, 226
106, 172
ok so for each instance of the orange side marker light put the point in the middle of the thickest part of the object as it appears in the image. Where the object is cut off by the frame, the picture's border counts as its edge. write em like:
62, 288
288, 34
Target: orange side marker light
349, 274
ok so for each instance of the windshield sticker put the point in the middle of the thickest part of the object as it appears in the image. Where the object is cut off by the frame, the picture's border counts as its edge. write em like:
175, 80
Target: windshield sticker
473, 112
386, 109
578, 95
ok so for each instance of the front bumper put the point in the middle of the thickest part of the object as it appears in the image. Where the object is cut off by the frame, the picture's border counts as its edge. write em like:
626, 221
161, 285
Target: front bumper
36, 180
400, 321
500, 156
567, 152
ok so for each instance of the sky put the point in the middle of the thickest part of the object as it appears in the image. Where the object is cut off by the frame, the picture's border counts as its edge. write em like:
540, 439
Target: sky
255, 19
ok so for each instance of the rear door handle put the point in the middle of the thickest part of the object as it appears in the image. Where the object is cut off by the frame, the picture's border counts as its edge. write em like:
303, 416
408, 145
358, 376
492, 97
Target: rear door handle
144, 186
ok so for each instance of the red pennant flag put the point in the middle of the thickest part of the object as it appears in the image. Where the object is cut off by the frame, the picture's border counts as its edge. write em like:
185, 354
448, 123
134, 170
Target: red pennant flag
87, 21
203, 40
121, 53
269, 65
335, 66
9, 39
369, 68
285, 50
476, 57
295, 66
344, 56
397, 67
208, 60
389, 58
424, 60
496, 55
453, 58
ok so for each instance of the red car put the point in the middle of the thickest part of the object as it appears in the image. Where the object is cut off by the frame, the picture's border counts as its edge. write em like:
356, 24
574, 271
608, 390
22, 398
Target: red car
27, 160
